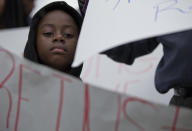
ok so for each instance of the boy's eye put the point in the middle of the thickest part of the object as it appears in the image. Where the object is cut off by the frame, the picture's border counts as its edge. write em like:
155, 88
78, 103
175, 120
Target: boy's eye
48, 34
68, 35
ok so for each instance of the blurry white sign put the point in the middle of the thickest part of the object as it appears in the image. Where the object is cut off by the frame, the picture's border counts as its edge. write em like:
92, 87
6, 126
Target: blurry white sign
14, 39
109, 23
136, 80
36, 98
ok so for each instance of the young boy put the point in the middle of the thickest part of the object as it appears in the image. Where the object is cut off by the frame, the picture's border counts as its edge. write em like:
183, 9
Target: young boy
53, 36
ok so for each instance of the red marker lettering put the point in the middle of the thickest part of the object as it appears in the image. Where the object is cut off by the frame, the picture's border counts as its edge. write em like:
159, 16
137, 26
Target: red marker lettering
10, 107
12, 69
4, 81
128, 83
90, 67
118, 114
61, 98
21, 67
174, 126
132, 99
86, 125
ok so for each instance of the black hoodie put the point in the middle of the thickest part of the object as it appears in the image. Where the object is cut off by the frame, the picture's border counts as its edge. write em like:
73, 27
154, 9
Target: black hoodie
83, 6
30, 51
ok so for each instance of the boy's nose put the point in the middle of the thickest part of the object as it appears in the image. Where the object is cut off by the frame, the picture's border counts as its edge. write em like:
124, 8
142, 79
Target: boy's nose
58, 37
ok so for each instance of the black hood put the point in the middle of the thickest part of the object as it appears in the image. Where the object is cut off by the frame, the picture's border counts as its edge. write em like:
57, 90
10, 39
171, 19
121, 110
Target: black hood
83, 6
30, 51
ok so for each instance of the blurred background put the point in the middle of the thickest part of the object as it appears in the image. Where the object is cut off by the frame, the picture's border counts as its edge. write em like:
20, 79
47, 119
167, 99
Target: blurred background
18, 13
40, 3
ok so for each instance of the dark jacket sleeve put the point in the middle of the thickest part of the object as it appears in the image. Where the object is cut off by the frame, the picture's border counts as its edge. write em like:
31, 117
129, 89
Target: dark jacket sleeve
128, 52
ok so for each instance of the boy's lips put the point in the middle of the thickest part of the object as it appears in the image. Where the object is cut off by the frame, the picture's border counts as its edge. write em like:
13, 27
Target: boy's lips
58, 50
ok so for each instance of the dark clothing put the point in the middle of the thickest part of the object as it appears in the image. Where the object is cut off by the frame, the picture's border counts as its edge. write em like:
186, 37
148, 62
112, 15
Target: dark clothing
175, 67
182, 97
14, 14
30, 51
183, 91
83, 6
181, 101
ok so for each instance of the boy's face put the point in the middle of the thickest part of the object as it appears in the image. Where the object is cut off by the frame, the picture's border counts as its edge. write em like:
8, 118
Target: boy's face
57, 37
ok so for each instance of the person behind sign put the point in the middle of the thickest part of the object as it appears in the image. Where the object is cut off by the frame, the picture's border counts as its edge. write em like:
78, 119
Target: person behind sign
174, 71
28, 7
83, 6
2, 5
53, 36
14, 14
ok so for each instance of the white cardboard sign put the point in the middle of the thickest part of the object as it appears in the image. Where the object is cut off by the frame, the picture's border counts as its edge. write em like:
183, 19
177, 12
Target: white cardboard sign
136, 79
109, 23
14, 39
36, 98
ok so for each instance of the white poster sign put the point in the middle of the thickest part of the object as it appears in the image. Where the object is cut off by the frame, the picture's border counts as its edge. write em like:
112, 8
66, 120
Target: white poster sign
136, 80
36, 98
109, 23
14, 39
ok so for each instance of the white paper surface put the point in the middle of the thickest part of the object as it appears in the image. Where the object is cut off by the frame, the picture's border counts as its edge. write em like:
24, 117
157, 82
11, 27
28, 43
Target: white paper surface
136, 79
14, 39
36, 98
109, 23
